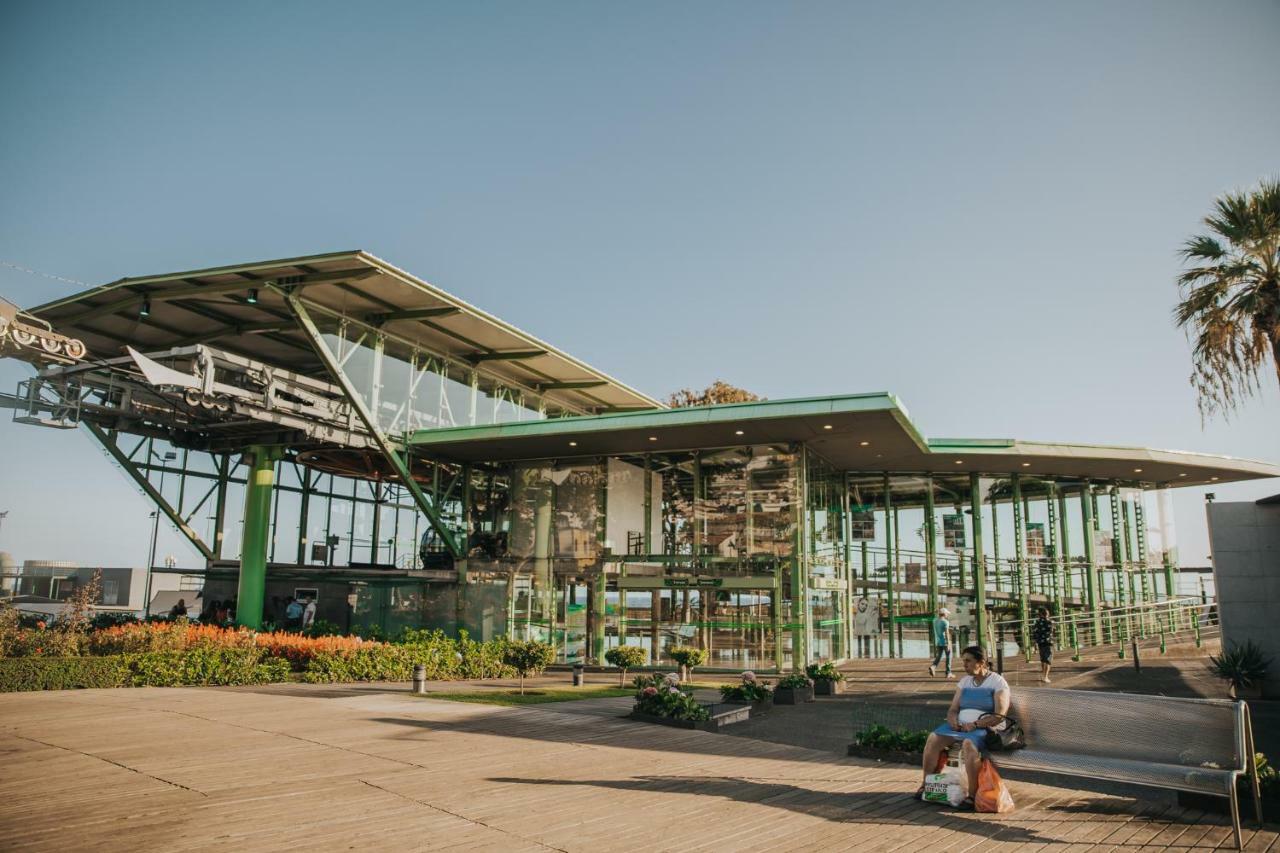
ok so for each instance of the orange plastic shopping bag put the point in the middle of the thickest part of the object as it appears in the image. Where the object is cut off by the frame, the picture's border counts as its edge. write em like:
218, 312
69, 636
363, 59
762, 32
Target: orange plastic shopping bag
993, 793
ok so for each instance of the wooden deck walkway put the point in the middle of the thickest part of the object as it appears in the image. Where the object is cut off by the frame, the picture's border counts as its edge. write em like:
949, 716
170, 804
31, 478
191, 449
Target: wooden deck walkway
321, 769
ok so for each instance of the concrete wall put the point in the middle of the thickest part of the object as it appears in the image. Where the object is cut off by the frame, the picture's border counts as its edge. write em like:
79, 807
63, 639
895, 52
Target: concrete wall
1245, 540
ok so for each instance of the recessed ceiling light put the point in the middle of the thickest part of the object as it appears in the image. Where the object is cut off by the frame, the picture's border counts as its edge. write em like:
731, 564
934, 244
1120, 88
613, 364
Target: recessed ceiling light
826, 426
1026, 464
1137, 470
1182, 475
653, 438
959, 461
863, 443
1213, 478
573, 444
737, 432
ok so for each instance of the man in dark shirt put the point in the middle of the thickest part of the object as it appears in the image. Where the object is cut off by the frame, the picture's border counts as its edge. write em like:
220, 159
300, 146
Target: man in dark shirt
1042, 636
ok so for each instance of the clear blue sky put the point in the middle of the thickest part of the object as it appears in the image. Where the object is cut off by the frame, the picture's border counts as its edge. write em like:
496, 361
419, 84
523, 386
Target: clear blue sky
975, 206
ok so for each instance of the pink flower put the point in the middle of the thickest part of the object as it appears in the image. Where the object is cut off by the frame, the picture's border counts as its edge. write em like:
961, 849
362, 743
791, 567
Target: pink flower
748, 676
650, 691
672, 690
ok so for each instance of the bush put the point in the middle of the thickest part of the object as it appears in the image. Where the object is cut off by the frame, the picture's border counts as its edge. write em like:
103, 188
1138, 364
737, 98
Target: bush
322, 628
625, 657
205, 665
795, 681
824, 672
748, 690
901, 740
688, 657
528, 658
660, 695
46, 673
373, 662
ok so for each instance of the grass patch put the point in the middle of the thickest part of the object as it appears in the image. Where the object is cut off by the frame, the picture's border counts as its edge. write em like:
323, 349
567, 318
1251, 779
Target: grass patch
533, 695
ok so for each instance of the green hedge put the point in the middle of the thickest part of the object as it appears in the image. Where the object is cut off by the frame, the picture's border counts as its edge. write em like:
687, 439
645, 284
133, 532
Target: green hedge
152, 669
40, 673
377, 663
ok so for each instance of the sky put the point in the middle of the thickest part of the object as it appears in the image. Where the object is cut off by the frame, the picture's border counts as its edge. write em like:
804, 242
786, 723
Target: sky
977, 207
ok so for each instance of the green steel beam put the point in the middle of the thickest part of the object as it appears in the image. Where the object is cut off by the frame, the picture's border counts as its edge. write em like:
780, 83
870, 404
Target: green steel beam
890, 533
930, 544
371, 423
1092, 595
251, 588
143, 483
979, 562
1020, 558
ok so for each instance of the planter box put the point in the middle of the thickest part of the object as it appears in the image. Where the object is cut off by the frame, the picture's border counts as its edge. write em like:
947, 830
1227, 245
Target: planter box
792, 695
825, 687
892, 755
757, 707
705, 725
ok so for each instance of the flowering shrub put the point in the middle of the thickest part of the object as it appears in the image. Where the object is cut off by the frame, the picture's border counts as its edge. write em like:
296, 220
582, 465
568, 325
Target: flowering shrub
660, 695
824, 672
749, 689
795, 681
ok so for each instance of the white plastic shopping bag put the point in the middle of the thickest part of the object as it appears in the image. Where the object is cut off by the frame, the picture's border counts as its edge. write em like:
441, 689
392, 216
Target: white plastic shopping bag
946, 787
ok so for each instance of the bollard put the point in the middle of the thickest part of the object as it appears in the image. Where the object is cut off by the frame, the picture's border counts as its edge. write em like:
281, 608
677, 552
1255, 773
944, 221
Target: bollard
577, 675
1137, 665
419, 678
1000, 652
1163, 650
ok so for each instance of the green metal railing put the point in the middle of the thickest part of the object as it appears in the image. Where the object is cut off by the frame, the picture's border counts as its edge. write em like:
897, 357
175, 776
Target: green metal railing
1177, 617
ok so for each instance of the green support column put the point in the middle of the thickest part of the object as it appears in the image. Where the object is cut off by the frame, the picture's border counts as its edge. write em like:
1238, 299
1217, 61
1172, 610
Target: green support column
799, 573
846, 536
775, 618
303, 512
598, 614
1064, 535
930, 545
979, 563
891, 534
1020, 556
1092, 598
1055, 565
1118, 539
699, 511
995, 543
257, 532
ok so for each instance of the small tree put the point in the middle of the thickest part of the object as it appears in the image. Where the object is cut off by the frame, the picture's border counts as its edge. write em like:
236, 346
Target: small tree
625, 657
688, 657
716, 393
528, 658
77, 613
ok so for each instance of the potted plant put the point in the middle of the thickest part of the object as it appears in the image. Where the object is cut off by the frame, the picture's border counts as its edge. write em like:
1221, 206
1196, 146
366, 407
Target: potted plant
624, 657
826, 678
529, 658
1243, 667
749, 691
688, 657
793, 689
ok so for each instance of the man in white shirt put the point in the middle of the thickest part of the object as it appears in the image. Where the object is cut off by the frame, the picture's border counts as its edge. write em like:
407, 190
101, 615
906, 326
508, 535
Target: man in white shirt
309, 613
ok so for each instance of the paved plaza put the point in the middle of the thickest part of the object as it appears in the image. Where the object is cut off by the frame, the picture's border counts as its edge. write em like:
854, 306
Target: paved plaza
304, 767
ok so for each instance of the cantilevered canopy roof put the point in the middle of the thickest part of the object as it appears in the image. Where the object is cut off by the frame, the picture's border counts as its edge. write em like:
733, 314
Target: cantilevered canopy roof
865, 432
240, 309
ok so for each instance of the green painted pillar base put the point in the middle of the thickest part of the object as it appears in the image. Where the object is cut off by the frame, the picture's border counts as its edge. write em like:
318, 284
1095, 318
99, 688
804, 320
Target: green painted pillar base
251, 589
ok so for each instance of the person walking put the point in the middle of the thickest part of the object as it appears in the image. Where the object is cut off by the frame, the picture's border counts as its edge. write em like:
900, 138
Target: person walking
309, 613
1042, 636
941, 642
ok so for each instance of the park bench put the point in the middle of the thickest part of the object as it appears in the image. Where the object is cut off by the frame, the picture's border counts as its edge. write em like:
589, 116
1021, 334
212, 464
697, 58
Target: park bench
1194, 745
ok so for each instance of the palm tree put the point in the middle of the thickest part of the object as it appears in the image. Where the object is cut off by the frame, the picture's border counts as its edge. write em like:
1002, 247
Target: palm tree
1231, 297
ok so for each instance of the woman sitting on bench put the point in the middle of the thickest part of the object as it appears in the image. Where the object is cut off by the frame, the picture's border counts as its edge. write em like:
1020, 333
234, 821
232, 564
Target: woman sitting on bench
981, 700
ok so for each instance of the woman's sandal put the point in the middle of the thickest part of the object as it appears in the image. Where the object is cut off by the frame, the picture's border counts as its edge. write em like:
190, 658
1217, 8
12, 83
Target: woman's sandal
919, 794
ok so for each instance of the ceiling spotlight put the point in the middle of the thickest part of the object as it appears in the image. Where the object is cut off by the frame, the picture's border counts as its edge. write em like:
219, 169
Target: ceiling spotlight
1137, 470
737, 432
573, 444
959, 461
252, 298
653, 438
826, 426
1182, 475
1026, 464
145, 310
1215, 479
863, 443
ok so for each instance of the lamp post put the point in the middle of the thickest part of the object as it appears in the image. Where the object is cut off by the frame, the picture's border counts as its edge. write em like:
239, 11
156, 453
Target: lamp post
167, 456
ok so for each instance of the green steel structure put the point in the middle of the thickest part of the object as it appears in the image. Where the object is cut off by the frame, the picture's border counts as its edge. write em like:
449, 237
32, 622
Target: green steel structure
411, 460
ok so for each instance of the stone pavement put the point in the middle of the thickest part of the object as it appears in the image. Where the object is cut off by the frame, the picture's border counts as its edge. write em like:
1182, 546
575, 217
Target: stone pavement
294, 767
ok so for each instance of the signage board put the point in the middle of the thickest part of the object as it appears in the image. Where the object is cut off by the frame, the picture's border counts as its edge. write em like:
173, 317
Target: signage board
953, 531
